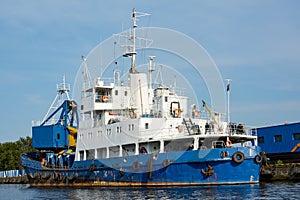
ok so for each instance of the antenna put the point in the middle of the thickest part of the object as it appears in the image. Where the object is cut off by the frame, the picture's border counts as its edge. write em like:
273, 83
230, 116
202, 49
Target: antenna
131, 39
135, 15
116, 74
174, 83
159, 75
151, 69
86, 74
133, 53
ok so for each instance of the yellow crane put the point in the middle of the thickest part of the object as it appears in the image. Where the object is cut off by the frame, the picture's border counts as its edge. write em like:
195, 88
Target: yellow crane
211, 114
295, 147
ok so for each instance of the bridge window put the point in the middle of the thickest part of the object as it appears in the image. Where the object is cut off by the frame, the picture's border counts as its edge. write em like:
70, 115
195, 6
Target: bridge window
278, 138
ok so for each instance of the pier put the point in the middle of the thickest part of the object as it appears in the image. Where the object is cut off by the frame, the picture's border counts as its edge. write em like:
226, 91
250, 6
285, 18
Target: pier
13, 177
280, 172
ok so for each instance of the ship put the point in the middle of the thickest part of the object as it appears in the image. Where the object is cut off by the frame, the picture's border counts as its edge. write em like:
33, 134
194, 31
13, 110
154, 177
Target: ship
136, 134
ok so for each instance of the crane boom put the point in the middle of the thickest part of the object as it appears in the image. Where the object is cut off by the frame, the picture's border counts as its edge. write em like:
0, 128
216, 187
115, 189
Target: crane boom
295, 147
211, 114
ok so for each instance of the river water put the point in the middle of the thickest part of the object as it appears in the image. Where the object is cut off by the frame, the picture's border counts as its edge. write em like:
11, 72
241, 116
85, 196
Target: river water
281, 190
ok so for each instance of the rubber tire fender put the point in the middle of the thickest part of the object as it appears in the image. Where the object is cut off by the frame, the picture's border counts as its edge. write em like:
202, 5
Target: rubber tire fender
258, 159
238, 157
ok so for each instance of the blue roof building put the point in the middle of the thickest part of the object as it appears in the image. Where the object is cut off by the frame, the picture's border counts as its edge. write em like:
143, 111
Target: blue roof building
279, 138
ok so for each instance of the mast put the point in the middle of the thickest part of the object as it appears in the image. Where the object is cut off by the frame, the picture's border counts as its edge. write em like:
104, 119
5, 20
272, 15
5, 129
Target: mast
133, 53
151, 69
131, 49
141, 97
138, 81
228, 100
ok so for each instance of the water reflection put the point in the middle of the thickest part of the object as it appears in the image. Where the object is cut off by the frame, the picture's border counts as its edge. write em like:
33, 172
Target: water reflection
257, 191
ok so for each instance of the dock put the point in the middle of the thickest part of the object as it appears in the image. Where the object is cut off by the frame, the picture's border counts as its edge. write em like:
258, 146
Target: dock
14, 180
13, 177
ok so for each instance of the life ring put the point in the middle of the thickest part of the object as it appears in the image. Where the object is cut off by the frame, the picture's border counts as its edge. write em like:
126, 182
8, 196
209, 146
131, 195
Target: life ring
228, 144
238, 157
105, 99
177, 112
136, 166
258, 159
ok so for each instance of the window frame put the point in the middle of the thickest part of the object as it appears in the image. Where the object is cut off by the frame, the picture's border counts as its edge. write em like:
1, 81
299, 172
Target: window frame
297, 136
276, 138
261, 139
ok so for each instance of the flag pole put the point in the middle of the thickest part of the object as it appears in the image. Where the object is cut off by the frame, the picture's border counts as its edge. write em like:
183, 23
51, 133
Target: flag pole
228, 99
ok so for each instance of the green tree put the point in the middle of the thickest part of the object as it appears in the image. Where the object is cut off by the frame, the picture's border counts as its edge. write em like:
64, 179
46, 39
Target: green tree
10, 153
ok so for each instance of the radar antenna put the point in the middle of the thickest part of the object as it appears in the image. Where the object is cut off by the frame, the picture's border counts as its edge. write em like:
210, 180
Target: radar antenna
132, 40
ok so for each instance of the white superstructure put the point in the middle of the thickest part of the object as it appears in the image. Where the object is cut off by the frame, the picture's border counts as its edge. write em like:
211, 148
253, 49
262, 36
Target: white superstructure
128, 119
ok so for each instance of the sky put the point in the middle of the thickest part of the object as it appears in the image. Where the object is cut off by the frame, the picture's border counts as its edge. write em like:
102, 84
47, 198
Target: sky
255, 43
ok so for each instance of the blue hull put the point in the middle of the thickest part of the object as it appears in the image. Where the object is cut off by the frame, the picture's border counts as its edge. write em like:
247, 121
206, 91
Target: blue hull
199, 167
